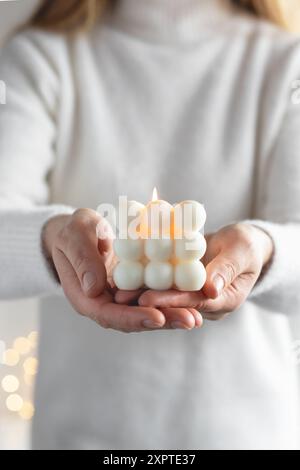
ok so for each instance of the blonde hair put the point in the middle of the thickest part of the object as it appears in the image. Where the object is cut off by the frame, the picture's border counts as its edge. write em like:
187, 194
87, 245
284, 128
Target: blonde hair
76, 15
285, 13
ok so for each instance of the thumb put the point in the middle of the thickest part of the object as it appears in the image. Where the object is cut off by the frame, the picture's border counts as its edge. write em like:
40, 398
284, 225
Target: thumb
221, 272
79, 244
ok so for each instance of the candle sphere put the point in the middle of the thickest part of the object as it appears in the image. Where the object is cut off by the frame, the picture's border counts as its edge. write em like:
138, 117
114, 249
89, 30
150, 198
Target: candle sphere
129, 250
130, 219
191, 248
189, 276
129, 275
157, 219
159, 250
189, 216
159, 275
134, 210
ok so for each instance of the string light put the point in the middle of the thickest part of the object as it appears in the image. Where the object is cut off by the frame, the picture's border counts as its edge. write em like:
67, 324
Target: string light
14, 402
10, 383
11, 357
30, 366
33, 338
27, 411
29, 379
22, 345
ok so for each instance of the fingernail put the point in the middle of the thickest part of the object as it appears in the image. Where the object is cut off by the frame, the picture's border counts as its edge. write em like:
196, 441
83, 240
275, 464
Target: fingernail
219, 283
151, 325
199, 320
88, 281
177, 325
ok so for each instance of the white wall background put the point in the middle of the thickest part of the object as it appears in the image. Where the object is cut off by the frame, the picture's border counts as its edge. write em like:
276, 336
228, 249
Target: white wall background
16, 318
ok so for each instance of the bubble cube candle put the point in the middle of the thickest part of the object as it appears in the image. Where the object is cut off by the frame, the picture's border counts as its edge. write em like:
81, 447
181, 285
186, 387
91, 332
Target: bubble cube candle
162, 247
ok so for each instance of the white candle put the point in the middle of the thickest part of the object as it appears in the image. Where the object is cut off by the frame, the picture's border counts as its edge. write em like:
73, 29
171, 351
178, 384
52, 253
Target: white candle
169, 257
189, 216
159, 250
157, 220
159, 275
129, 275
129, 250
192, 248
130, 219
189, 275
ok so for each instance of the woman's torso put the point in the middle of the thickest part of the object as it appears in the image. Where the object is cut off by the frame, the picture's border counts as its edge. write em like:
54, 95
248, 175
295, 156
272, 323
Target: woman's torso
190, 119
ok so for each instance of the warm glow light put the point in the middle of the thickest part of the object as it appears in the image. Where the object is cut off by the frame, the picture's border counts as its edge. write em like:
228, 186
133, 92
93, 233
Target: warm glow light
10, 383
27, 410
29, 379
14, 402
33, 338
22, 345
30, 366
154, 195
11, 357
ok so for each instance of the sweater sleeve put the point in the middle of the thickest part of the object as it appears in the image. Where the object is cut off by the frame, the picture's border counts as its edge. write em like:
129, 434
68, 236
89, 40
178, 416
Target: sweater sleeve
278, 213
27, 153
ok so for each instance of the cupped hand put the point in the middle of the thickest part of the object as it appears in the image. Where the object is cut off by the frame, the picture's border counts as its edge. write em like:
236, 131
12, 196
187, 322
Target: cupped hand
84, 263
235, 258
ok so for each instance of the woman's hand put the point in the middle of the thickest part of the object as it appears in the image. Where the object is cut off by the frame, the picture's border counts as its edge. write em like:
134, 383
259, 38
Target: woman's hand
84, 263
234, 261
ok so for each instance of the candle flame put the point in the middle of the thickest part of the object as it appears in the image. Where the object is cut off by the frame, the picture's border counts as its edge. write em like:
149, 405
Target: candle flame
154, 195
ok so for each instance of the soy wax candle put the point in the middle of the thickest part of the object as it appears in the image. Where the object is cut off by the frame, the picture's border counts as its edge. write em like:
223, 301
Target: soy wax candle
165, 250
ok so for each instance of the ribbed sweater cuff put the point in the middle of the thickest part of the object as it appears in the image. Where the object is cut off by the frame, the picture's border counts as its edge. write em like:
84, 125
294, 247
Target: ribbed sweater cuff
25, 272
274, 273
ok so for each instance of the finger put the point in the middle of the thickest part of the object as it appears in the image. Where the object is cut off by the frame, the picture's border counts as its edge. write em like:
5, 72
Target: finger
127, 297
178, 318
111, 289
102, 309
215, 307
228, 301
80, 245
215, 316
105, 235
127, 318
222, 271
71, 284
171, 298
197, 316
181, 318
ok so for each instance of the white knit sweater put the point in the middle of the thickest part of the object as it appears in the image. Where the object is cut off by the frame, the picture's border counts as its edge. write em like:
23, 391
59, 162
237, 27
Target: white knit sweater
195, 98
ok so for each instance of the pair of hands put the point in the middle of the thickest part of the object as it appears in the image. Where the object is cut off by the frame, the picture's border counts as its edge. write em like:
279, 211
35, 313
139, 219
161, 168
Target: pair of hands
234, 261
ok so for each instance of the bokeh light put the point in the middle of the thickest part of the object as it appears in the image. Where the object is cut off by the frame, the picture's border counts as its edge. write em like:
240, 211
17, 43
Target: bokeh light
10, 383
14, 402
33, 338
27, 411
29, 379
22, 345
30, 366
11, 357
23, 376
